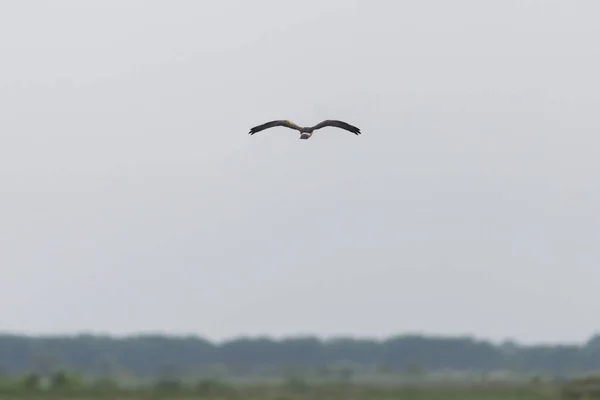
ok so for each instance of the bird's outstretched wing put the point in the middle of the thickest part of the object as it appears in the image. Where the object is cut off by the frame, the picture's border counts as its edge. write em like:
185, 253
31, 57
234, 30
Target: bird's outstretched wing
271, 124
337, 124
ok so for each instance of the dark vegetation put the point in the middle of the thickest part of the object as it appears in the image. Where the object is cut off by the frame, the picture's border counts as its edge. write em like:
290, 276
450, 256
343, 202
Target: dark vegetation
152, 356
404, 367
62, 388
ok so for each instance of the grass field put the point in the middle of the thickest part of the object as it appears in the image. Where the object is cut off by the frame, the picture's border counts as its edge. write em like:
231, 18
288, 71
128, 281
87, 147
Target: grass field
321, 392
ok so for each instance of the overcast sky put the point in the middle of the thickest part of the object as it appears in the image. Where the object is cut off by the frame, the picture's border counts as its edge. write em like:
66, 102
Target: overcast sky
133, 199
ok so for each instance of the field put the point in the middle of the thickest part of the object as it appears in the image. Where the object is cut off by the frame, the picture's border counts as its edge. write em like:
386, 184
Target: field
299, 392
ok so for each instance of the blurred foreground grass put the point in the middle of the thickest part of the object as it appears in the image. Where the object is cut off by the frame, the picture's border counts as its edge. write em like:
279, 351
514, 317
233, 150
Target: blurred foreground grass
290, 391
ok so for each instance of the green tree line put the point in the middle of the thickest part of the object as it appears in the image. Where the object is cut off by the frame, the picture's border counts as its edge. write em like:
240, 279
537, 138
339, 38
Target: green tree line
149, 355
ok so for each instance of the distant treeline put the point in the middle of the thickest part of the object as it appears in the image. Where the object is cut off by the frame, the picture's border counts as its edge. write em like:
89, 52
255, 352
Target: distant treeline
150, 355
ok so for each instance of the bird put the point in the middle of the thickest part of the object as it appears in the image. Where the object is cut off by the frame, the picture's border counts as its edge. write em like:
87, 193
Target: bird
306, 132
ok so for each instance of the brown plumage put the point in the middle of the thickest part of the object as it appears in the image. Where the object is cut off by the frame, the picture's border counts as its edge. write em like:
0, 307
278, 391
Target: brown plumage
306, 131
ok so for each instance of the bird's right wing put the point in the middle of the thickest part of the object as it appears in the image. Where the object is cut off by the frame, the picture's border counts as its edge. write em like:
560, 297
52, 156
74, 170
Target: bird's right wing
271, 124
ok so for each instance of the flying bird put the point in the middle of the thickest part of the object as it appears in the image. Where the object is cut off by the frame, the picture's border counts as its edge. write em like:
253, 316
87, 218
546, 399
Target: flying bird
305, 131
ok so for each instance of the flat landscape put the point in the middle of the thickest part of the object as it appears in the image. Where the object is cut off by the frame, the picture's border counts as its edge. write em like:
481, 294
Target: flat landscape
324, 392
401, 367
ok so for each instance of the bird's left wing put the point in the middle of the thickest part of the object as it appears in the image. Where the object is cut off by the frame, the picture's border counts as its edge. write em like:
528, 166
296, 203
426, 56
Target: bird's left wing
271, 124
338, 124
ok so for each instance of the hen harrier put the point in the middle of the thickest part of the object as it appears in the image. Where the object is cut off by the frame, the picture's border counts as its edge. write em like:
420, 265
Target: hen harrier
306, 131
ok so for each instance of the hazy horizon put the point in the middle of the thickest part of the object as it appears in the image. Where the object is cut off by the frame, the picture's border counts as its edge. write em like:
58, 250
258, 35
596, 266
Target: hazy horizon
222, 340
134, 200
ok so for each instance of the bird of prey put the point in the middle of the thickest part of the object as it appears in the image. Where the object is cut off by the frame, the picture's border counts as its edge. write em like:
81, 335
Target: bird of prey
305, 131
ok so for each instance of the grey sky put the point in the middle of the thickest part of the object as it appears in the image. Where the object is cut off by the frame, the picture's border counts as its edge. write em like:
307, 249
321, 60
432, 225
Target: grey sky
132, 198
